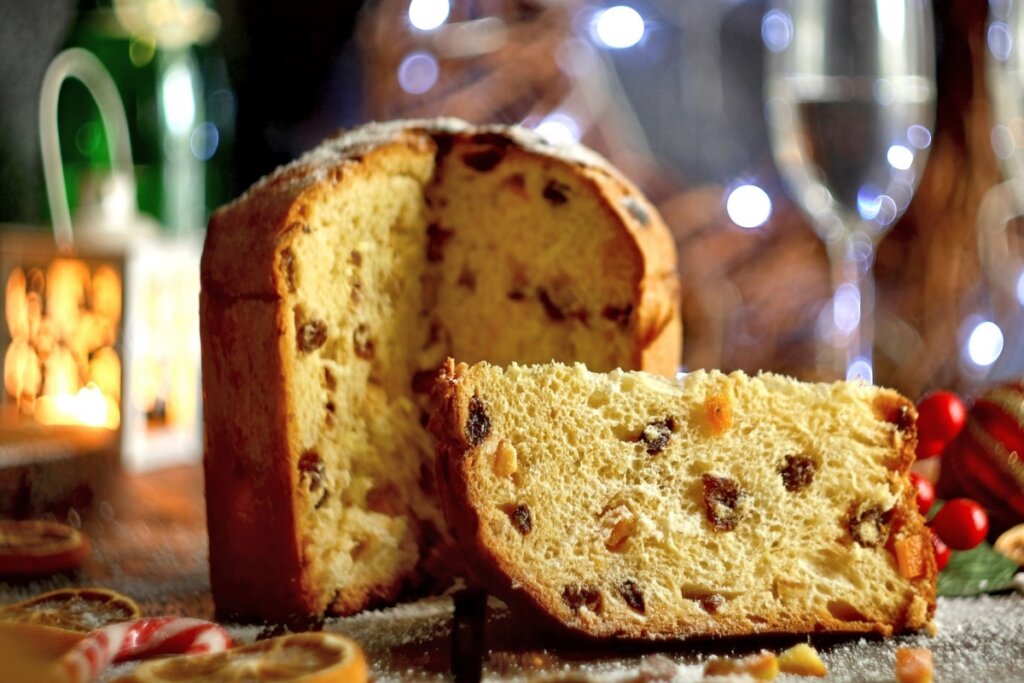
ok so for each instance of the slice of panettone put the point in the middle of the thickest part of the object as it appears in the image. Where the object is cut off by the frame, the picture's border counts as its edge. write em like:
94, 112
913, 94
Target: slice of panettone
627, 505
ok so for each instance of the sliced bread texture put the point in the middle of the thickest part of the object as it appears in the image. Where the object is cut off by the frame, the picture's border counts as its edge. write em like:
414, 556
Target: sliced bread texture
628, 505
333, 290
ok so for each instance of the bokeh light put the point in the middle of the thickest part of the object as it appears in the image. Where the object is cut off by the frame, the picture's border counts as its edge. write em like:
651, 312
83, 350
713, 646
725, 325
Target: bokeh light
559, 129
900, 157
618, 27
418, 72
776, 30
985, 343
426, 15
748, 206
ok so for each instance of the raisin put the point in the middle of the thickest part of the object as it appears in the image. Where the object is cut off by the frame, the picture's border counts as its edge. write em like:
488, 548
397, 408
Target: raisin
868, 525
310, 335
896, 411
478, 425
634, 597
436, 239
467, 279
423, 381
578, 596
444, 143
286, 264
618, 315
657, 434
484, 160
362, 343
329, 380
722, 497
516, 295
553, 311
311, 469
798, 472
709, 602
555, 192
521, 519
636, 210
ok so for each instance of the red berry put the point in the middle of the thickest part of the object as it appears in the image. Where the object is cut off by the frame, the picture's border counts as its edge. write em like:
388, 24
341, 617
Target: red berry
941, 551
925, 492
941, 416
930, 448
961, 523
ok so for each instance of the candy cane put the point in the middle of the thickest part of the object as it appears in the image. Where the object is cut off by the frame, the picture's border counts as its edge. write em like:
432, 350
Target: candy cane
138, 639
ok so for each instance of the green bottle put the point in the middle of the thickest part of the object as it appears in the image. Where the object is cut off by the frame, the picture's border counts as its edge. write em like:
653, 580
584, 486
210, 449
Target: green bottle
153, 50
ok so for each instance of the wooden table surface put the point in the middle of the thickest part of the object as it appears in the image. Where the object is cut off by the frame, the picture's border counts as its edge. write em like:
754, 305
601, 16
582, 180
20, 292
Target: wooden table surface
149, 542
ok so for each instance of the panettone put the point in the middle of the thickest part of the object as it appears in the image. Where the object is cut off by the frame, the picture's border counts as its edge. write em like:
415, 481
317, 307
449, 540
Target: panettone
333, 290
627, 505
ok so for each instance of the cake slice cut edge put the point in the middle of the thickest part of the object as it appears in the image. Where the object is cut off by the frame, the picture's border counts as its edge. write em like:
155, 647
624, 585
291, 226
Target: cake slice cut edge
627, 505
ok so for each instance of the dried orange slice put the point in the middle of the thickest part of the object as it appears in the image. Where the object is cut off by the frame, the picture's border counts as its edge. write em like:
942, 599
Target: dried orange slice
301, 657
73, 609
36, 546
1011, 544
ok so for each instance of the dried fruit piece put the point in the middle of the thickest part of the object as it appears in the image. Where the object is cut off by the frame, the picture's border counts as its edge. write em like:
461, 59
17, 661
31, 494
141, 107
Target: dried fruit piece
556, 193
30, 547
521, 518
618, 315
578, 596
632, 595
722, 499
656, 435
798, 472
914, 665
321, 656
478, 425
868, 525
802, 660
896, 410
436, 239
1011, 544
362, 342
553, 311
286, 265
763, 666
73, 609
506, 459
911, 555
310, 335
485, 160
718, 412
709, 602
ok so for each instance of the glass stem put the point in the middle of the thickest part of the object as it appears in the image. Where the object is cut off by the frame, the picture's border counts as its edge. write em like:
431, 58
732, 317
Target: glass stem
853, 305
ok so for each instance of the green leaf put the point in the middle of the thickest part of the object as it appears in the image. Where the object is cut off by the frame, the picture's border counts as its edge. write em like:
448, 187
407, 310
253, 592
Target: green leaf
976, 571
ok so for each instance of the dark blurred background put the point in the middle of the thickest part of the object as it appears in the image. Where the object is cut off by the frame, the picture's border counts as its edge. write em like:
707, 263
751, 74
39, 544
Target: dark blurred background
680, 110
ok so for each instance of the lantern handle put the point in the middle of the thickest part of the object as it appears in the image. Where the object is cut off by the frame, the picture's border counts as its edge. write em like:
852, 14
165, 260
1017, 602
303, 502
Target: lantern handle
84, 66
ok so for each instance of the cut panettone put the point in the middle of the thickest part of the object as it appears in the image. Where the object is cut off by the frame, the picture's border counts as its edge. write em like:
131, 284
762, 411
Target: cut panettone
640, 507
331, 293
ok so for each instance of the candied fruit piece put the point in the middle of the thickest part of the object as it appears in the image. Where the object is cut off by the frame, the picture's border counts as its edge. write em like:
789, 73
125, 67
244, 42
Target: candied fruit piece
911, 555
718, 412
506, 459
802, 660
914, 665
763, 666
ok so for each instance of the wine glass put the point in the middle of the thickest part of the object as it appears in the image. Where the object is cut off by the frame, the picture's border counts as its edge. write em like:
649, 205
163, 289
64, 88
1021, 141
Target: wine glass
850, 98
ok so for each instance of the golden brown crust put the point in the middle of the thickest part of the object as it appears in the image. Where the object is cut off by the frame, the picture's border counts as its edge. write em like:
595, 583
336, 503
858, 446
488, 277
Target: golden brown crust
257, 565
493, 566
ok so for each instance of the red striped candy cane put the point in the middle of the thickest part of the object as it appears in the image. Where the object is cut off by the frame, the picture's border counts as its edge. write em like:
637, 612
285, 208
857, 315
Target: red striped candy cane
138, 639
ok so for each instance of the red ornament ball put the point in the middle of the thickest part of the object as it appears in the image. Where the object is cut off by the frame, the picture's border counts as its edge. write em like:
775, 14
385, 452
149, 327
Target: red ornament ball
961, 523
940, 417
985, 463
925, 492
942, 551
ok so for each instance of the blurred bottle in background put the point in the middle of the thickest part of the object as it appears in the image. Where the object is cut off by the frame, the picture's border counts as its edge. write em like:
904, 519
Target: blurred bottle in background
180, 109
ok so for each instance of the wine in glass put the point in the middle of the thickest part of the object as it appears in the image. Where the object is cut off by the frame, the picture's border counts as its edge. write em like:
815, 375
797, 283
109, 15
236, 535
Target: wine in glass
850, 104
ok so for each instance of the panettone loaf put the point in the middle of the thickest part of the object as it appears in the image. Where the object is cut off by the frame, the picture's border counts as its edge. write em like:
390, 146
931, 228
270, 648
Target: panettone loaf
627, 505
333, 290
